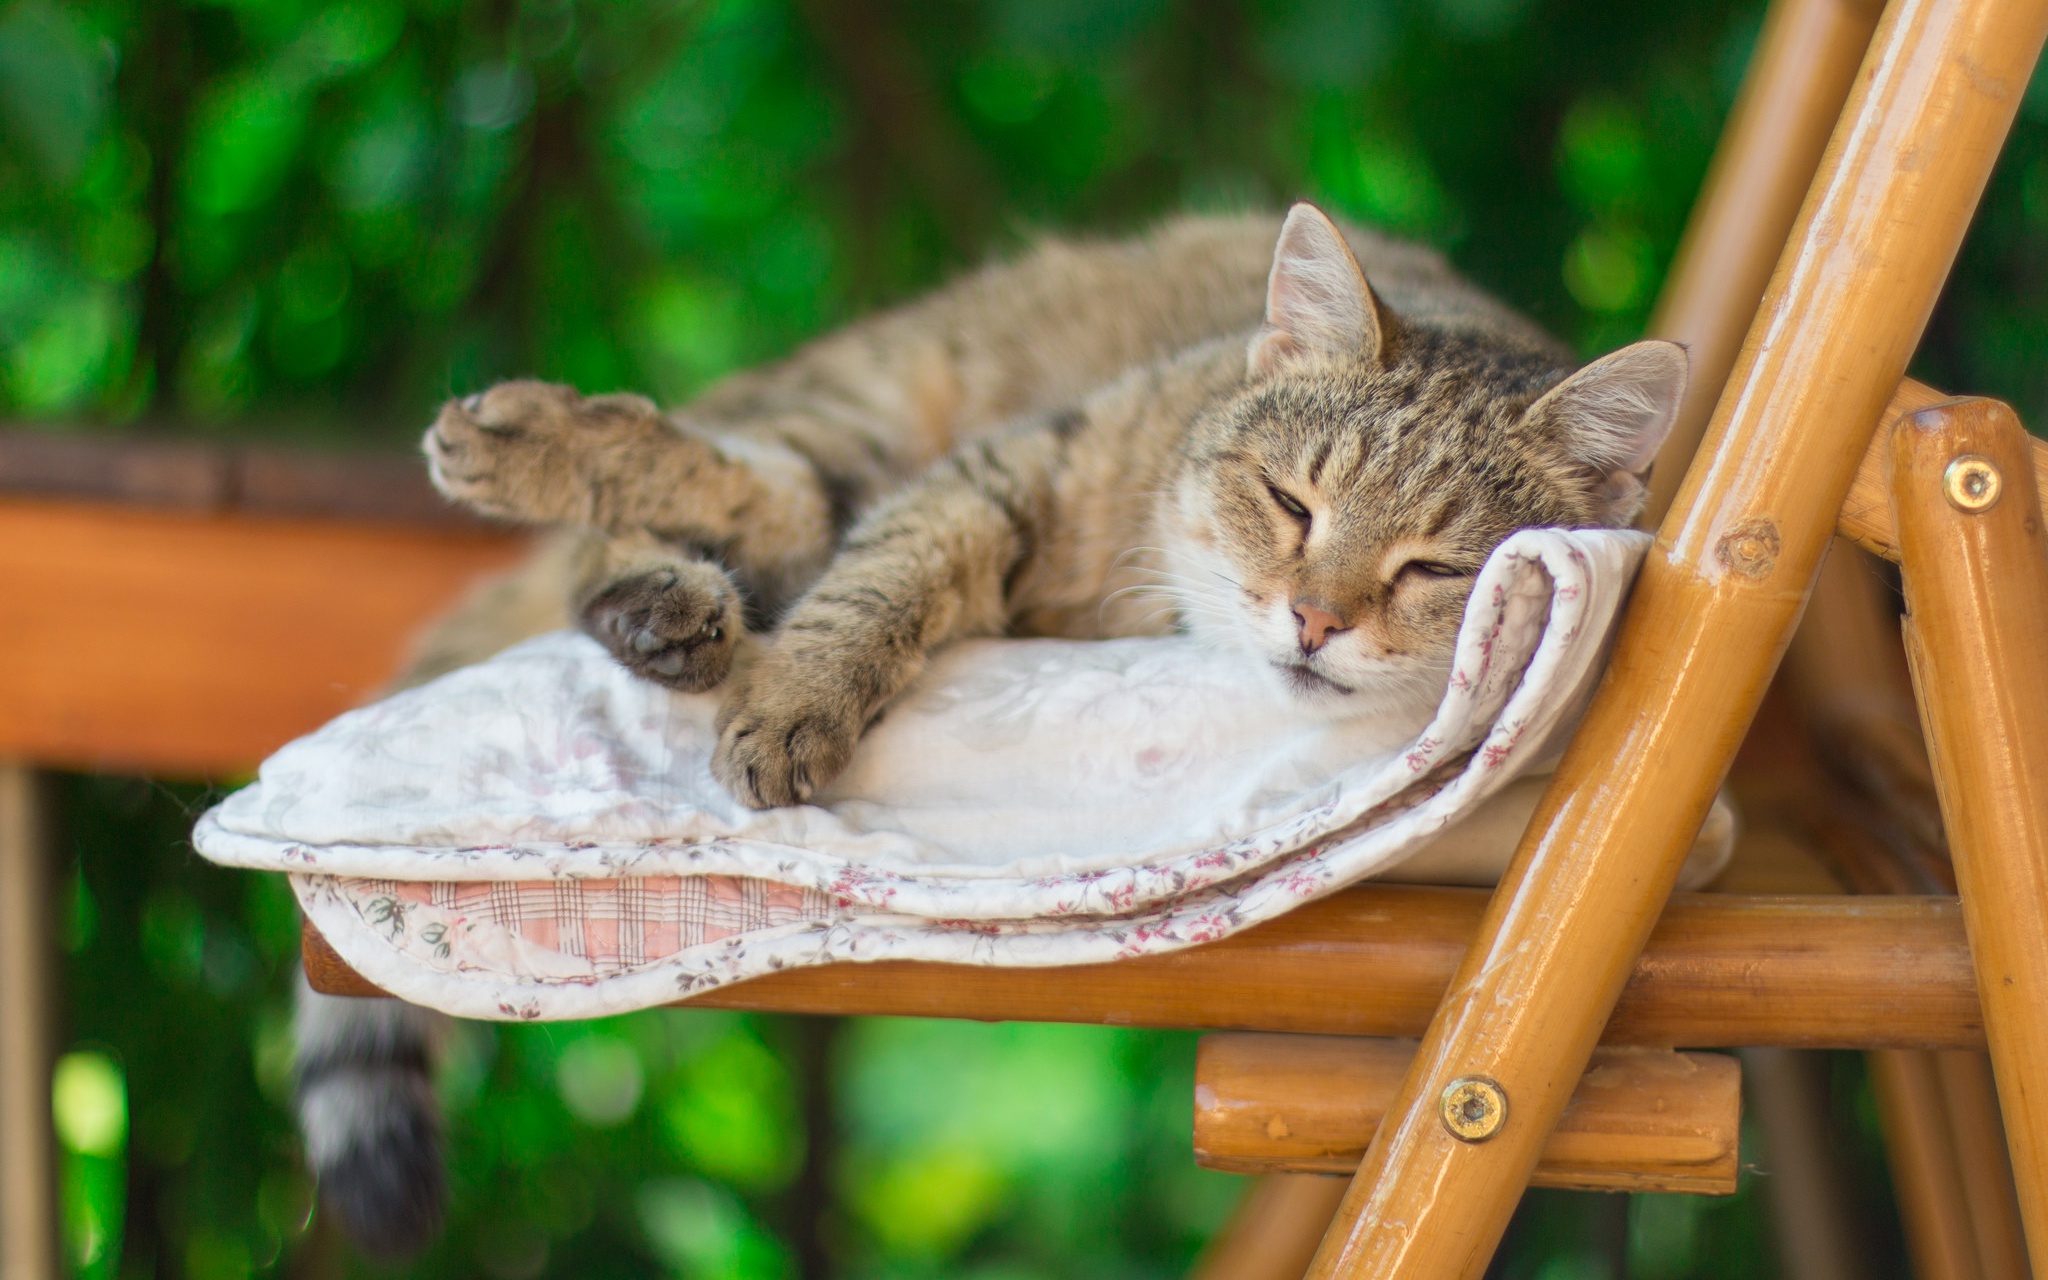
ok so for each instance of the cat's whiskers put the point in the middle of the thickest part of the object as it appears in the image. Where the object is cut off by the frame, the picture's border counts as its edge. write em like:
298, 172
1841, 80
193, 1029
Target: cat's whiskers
1182, 601
1422, 680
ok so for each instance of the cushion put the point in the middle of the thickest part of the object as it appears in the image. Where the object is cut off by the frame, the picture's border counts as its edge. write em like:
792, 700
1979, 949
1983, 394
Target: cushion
539, 836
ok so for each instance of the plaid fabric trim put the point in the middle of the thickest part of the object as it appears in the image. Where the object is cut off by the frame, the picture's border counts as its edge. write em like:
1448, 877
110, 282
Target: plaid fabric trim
615, 925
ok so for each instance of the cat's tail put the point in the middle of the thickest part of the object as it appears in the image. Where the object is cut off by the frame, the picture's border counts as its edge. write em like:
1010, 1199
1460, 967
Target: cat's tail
365, 1066
371, 1122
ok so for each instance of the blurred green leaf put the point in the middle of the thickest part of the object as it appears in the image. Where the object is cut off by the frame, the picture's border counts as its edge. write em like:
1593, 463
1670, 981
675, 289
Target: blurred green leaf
53, 83
1481, 19
1008, 88
1329, 44
926, 1204
600, 1079
1602, 155
704, 1234
730, 1113
1608, 269
89, 1100
245, 136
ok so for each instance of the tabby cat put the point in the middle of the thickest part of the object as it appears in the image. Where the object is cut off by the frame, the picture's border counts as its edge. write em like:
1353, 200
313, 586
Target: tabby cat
1200, 430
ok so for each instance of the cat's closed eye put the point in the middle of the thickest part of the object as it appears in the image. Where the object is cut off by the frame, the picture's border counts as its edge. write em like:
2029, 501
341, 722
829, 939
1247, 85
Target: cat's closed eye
1288, 502
1429, 571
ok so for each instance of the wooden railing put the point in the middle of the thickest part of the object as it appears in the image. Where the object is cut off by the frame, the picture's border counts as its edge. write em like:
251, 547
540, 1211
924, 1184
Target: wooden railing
184, 610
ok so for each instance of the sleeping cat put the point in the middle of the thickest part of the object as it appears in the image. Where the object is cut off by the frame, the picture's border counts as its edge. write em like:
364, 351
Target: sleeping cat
1318, 494
1204, 430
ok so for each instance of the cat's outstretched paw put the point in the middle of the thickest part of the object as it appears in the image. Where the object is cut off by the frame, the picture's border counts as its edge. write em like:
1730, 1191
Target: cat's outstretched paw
676, 625
779, 743
539, 452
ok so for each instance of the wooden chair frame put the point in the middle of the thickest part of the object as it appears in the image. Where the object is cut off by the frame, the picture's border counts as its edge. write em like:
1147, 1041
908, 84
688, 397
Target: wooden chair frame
1847, 176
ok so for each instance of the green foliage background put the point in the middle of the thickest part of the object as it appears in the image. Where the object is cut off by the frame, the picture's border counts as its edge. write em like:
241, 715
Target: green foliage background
313, 219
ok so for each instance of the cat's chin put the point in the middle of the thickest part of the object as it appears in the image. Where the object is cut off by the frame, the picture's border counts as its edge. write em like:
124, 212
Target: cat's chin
1395, 696
1305, 684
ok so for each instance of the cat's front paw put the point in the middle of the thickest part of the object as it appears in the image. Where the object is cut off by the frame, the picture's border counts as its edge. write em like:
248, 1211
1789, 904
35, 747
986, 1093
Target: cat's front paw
676, 625
539, 452
778, 743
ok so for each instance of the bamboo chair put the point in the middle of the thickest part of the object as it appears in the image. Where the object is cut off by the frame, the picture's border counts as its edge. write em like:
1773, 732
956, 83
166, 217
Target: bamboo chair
1583, 943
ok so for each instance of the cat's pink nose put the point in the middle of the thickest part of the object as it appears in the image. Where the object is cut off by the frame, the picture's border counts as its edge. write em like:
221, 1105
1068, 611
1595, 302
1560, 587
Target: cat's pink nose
1317, 624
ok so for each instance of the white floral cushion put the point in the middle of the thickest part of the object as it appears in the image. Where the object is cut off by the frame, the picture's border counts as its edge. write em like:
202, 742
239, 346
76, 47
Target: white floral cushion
539, 836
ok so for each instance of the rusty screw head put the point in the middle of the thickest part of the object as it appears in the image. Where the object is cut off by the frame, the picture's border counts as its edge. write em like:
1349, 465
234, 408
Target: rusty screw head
1473, 1108
1972, 483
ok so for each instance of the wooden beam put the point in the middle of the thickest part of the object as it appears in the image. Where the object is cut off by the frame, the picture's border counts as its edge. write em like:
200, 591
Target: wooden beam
180, 472
185, 644
1812, 971
1640, 1120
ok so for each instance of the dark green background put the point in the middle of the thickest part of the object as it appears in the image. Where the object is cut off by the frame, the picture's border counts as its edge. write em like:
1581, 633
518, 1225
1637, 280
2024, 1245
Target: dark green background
305, 221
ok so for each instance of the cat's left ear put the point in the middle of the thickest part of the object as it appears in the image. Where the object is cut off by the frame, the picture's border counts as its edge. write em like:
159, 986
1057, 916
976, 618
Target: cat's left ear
1318, 305
1613, 416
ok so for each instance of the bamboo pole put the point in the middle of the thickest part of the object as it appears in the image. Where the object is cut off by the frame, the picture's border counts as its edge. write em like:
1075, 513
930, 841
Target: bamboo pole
1792, 94
1713, 609
28, 1207
1274, 1230
1925, 1174
1969, 1095
1976, 571
1806, 1182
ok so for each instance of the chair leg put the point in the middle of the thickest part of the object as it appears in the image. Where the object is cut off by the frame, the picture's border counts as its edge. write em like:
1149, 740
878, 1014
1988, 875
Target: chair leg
28, 1209
1787, 1093
1716, 603
1976, 572
1274, 1231
1926, 1176
1971, 1099
1847, 673
1806, 58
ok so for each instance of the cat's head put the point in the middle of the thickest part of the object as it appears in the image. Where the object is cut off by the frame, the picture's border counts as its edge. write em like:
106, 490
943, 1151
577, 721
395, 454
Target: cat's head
1334, 511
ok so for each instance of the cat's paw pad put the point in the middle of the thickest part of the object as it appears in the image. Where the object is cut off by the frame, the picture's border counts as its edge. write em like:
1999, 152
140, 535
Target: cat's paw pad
668, 625
540, 452
776, 747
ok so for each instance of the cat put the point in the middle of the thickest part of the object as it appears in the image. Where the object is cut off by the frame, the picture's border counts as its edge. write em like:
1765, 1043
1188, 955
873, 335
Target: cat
1299, 443
1318, 493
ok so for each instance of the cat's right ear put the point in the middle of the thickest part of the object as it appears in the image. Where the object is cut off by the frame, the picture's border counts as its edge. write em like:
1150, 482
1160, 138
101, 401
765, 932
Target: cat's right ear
1318, 305
1613, 416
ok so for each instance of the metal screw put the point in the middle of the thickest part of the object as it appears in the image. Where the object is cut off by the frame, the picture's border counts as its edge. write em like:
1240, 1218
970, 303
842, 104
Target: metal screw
1972, 483
1474, 1108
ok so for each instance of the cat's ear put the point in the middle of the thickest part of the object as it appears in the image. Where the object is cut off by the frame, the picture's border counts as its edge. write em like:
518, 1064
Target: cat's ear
1613, 416
1318, 305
